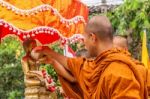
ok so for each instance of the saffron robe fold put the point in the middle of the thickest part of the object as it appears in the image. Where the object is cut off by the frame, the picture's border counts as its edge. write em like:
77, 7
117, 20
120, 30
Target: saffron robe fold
112, 75
148, 82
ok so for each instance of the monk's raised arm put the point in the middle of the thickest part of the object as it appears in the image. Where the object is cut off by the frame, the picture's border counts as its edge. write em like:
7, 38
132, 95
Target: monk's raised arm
62, 71
58, 68
42, 51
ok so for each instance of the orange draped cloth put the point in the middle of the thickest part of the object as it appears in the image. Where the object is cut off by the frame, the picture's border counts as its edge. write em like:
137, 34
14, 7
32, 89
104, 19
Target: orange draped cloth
44, 20
112, 75
67, 9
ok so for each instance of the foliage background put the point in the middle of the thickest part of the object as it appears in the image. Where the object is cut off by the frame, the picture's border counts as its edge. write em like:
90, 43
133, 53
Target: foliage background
131, 19
11, 75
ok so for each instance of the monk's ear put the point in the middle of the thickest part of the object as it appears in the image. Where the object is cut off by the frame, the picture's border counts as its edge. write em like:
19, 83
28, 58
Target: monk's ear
93, 37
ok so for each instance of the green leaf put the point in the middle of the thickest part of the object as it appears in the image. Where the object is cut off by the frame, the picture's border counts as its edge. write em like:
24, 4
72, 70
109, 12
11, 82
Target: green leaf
134, 5
146, 24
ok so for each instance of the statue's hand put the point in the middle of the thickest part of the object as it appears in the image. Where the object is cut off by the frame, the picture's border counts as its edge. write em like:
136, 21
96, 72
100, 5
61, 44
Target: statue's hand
38, 74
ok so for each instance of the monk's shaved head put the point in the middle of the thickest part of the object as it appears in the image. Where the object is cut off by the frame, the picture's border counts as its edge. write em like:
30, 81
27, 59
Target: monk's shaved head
101, 26
120, 41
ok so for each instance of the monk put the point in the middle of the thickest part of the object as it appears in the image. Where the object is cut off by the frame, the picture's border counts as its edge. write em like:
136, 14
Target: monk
121, 42
112, 75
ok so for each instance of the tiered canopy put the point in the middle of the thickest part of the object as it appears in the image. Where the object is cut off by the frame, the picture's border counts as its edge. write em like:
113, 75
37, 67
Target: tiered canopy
44, 20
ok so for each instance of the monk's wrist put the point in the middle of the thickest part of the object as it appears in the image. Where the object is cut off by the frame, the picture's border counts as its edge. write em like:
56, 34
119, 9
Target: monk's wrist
52, 62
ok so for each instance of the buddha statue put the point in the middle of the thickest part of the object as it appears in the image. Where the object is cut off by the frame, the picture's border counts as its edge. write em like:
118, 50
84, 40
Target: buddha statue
33, 78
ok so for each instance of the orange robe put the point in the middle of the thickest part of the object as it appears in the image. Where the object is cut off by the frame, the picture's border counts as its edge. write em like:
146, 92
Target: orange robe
148, 82
112, 75
138, 63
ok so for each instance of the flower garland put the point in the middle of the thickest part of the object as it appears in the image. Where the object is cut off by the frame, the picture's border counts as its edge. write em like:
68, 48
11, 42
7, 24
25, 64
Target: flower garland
50, 84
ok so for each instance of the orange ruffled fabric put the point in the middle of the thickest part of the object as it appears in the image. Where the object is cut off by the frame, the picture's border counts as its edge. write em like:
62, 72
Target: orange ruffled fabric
112, 75
66, 8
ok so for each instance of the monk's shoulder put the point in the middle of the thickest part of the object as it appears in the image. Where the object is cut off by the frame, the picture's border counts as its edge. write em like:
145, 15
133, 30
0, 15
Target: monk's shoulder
118, 69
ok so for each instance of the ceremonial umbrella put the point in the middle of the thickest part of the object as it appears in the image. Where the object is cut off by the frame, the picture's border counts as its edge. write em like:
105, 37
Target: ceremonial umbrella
44, 20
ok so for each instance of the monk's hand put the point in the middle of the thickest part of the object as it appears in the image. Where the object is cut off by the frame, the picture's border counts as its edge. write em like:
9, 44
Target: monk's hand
45, 60
40, 52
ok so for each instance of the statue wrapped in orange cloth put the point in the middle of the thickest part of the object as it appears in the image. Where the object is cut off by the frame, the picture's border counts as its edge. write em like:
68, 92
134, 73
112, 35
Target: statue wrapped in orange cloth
111, 75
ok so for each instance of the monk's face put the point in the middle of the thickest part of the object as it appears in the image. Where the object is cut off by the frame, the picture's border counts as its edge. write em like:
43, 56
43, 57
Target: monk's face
90, 43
